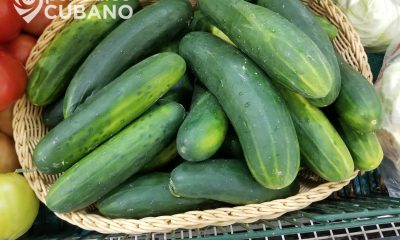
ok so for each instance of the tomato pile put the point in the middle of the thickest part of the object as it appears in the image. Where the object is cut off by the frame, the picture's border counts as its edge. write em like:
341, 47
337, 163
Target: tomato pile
18, 203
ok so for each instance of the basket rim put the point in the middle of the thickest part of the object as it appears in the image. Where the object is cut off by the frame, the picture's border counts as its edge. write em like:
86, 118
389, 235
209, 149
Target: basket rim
193, 219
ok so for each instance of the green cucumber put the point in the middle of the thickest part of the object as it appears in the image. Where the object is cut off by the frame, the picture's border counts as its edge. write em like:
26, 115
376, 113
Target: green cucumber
203, 131
163, 158
328, 27
130, 42
256, 111
364, 147
116, 160
224, 180
322, 149
107, 112
59, 61
297, 13
172, 46
231, 146
183, 90
53, 114
147, 196
201, 23
358, 104
285, 53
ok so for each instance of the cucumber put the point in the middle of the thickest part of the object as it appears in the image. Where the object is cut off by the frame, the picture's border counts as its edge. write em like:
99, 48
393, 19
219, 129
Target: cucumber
231, 146
163, 158
203, 131
256, 111
297, 13
130, 42
107, 112
328, 27
322, 149
172, 46
53, 114
147, 196
364, 147
183, 90
358, 104
285, 53
116, 160
201, 23
58, 63
224, 180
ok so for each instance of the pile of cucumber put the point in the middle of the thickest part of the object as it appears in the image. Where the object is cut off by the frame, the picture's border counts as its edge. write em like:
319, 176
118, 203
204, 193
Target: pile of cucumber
171, 110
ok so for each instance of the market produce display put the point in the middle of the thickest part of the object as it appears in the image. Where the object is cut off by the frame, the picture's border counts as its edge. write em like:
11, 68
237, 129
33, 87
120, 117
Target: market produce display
99, 118
58, 63
18, 203
256, 111
116, 160
130, 42
160, 116
298, 14
278, 46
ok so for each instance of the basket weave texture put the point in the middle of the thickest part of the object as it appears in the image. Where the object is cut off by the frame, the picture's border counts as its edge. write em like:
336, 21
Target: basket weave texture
29, 129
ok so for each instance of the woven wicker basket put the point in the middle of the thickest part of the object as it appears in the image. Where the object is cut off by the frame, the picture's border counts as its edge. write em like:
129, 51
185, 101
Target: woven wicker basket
29, 129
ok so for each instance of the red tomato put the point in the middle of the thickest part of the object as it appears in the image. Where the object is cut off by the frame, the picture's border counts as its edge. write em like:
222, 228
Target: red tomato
10, 21
40, 22
13, 79
20, 47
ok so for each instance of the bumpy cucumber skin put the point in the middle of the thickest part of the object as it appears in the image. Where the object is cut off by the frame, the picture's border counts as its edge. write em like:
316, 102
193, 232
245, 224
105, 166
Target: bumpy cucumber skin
250, 101
358, 104
364, 147
297, 13
62, 57
285, 53
147, 196
322, 149
53, 114
108, 111
163, 158
203, 131
225, 180
116, 160
133, 40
